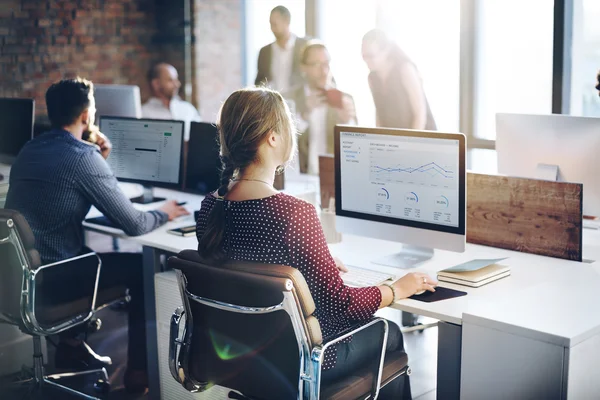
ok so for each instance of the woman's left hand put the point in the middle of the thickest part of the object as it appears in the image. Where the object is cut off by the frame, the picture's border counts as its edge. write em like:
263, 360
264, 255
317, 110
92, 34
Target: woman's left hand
340, 265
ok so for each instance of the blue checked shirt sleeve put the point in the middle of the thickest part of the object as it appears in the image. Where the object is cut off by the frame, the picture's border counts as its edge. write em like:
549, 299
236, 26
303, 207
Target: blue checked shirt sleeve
100, 187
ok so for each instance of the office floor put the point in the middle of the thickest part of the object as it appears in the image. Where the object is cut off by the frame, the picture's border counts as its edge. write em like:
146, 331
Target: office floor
111, 340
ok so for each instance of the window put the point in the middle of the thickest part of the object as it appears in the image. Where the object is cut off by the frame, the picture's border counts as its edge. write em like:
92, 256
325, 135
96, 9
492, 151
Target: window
585, 58
513, 60
258, 31
343, 38
429, 32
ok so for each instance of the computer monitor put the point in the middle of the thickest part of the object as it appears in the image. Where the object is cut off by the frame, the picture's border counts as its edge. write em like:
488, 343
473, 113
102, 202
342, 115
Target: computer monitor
203, 169
117, 101
406, 186
552, 147
16, 126
145, 151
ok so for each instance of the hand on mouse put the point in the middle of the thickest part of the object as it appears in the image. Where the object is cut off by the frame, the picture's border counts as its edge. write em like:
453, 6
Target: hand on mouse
412, 283
173, 210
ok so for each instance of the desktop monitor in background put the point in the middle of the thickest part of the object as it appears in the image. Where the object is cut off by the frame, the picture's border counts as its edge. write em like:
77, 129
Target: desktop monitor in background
552, 147
203, 169
117, 101
401, 185
16, 127
145, 151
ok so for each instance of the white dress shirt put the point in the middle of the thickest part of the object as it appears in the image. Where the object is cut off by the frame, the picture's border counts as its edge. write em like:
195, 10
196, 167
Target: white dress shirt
282, 61
317, 129
178, 110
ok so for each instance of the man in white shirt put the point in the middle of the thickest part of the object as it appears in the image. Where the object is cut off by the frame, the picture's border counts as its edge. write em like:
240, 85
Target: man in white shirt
279, 62
165, 103
319, 107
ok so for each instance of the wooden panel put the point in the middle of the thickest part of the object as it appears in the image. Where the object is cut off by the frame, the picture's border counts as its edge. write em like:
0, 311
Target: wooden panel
528, 215
326, 179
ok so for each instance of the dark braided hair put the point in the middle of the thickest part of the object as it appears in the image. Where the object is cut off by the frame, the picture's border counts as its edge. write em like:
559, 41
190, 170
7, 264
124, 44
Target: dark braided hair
246, 118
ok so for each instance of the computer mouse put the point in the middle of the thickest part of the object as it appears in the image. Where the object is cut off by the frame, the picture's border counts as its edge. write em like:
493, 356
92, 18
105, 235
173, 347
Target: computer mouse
421, 292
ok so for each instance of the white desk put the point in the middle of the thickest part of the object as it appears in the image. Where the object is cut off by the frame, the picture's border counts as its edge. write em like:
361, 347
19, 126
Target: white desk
546, 308
545, 301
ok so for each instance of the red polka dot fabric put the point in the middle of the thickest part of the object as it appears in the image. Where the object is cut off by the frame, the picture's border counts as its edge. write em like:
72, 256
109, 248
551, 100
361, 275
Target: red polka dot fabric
282, 229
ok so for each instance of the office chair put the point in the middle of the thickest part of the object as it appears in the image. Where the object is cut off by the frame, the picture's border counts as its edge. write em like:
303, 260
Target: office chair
250, 327
25, 286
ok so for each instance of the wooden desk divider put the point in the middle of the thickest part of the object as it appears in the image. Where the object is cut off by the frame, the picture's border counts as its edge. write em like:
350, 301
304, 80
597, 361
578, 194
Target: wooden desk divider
527, 215
326, 179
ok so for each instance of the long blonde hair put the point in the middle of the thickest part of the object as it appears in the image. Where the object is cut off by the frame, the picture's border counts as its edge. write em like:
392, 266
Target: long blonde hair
245, 120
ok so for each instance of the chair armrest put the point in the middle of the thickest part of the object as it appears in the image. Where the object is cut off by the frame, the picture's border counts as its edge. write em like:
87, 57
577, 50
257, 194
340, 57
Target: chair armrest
175, 342
319, 351
90, 261
178, 352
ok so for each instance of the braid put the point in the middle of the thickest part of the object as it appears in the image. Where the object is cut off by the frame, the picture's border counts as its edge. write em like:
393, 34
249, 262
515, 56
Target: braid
210, 245
226, 176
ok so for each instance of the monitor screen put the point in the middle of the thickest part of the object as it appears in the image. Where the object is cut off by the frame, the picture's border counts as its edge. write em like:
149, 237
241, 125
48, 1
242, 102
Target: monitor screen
403, 177
203, 170
16, 127
145, 150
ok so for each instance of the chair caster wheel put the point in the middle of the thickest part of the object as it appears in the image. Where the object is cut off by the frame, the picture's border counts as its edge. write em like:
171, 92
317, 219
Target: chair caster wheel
102, 386
94, 325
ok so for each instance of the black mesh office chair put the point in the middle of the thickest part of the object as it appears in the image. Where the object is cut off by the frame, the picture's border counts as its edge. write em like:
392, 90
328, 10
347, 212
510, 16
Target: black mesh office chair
25, 286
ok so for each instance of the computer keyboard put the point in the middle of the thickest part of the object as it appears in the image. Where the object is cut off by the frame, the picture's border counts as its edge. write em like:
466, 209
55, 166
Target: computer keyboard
360, 277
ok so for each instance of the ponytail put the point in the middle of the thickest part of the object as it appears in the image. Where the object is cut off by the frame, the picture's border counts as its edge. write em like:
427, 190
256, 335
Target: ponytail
210, 246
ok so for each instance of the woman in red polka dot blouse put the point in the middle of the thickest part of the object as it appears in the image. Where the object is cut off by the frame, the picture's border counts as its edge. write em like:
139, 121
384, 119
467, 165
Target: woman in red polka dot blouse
247, 219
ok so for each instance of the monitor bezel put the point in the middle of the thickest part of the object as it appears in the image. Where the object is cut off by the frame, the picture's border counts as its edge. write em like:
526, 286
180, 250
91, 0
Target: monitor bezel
339, 211
167, 185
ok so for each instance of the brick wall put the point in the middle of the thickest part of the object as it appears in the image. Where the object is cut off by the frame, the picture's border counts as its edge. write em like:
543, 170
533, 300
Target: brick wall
217, 53
115, 41
107, 41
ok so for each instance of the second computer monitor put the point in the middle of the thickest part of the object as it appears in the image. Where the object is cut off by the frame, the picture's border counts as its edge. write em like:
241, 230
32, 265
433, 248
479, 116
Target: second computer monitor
16, 126
145, 151
203, 169
552, 147
117, 101
401, 185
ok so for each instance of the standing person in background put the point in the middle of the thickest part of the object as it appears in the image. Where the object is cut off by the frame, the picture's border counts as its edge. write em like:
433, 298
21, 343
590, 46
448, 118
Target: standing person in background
395, 84
279, 62
398, 95
598, 83
165, 102
319, 107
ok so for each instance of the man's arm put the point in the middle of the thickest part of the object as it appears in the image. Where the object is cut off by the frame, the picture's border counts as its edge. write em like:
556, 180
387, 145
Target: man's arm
100, 187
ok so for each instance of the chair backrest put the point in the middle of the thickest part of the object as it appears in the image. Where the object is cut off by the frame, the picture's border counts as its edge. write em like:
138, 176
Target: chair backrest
250, 326
40, 299
17, 252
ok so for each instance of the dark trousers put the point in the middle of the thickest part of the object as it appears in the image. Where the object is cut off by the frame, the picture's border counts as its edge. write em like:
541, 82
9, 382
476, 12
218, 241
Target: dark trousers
124, 271
363, 349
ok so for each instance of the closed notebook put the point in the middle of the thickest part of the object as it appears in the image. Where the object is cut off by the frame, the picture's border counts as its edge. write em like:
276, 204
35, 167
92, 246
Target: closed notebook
476, 278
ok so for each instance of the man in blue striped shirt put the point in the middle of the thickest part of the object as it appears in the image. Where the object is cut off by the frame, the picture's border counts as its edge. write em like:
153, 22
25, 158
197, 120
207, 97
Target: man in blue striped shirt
55, 180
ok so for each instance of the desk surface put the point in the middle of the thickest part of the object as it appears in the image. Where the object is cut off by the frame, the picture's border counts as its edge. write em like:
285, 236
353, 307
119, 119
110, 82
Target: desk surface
550, 299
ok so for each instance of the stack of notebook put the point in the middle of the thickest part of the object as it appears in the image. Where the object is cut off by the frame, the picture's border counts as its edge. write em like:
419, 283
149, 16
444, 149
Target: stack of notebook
475, 273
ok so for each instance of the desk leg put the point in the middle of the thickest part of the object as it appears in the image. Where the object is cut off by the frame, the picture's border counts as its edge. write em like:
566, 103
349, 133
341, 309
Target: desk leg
151, 266
448, 363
